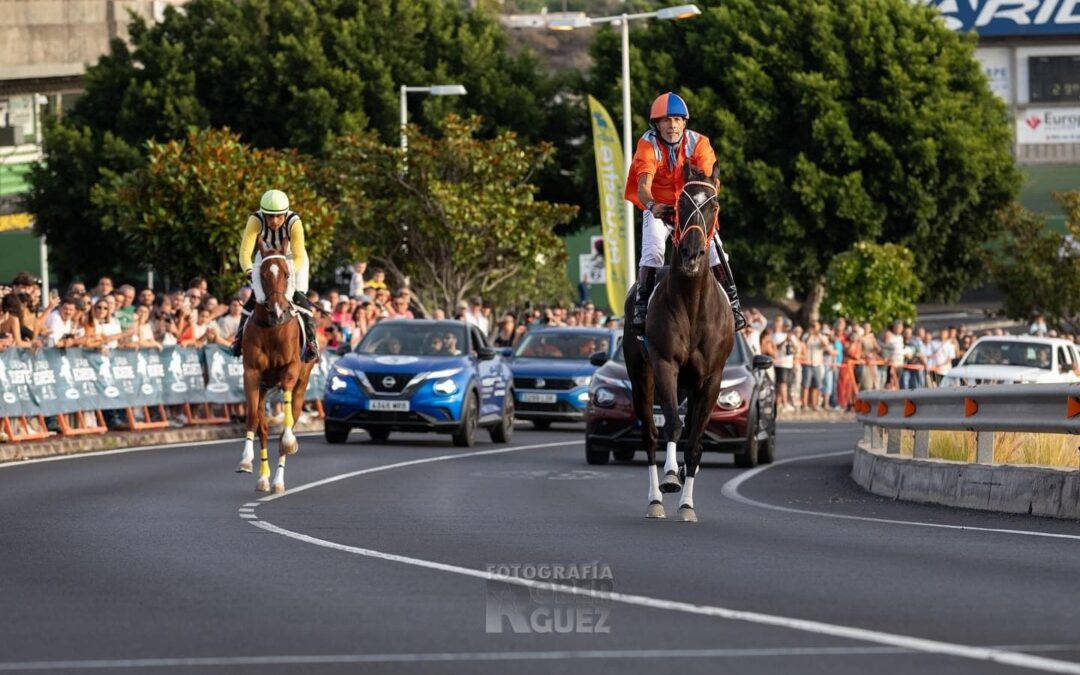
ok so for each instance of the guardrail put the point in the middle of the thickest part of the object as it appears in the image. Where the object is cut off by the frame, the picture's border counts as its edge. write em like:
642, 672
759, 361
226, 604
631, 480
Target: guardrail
984, 409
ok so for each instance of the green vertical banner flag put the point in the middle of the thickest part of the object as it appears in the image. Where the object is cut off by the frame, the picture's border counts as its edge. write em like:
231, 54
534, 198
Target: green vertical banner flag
610, 178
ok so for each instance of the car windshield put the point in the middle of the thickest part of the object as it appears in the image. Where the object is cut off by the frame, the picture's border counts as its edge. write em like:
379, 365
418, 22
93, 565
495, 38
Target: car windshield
735, 359
1003, 353
562, 345
414, 339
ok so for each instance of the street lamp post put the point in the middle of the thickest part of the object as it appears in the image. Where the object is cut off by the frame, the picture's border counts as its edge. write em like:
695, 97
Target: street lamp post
434, 90
582, 21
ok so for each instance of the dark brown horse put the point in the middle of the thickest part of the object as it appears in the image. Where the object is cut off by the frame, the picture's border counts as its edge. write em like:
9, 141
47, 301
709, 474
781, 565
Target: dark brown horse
272, 359
689, 333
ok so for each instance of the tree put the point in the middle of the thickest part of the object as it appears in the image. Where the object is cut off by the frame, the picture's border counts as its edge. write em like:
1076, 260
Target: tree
463, 220
284, 74
184, 209
835, 122
1039, 269
873, 283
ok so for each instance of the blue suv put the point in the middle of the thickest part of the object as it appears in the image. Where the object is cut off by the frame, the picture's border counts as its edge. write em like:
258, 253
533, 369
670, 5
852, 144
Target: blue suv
552, 372
414, 375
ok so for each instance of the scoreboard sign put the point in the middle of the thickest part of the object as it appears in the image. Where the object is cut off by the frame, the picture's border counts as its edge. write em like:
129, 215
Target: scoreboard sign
1054, 79
1010, 17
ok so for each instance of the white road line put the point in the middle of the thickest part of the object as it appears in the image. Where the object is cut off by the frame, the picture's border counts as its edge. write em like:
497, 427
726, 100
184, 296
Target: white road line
731, 491
990, 654
315, 659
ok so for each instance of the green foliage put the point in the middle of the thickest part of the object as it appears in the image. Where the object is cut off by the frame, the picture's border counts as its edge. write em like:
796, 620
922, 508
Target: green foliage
281, 74
186, 207
463, 220
834, 122
875, 283
1038, 269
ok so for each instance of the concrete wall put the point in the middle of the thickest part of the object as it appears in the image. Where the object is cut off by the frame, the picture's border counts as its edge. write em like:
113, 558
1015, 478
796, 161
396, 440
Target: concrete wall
1008, 489
57, 38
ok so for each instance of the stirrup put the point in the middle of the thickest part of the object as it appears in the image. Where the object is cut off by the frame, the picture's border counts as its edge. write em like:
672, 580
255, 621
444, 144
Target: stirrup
740, 320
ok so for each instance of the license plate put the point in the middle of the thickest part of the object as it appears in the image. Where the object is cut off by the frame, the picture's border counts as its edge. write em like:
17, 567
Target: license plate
659, 419
538, 398
393, 406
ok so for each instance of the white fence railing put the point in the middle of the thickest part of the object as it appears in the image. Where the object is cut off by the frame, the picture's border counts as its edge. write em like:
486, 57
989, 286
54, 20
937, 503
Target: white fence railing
1035, 408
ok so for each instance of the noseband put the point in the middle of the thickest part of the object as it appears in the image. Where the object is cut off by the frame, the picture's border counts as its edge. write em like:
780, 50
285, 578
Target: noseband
679, 233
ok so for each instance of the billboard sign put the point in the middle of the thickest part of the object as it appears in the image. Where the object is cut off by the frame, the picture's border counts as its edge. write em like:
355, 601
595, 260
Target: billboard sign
1010, 17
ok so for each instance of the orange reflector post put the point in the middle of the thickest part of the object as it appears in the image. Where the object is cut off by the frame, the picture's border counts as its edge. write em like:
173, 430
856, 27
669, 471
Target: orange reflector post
882, 409
909, 408
971, 407
1074, 406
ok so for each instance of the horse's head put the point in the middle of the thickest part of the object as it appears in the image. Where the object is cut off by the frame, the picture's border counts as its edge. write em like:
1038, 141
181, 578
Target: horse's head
697, 212
275, 278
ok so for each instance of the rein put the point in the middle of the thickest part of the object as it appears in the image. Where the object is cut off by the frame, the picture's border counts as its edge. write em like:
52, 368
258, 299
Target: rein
678, 233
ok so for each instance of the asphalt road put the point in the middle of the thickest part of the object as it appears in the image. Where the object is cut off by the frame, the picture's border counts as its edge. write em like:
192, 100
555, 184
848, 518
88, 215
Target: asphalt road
165, 561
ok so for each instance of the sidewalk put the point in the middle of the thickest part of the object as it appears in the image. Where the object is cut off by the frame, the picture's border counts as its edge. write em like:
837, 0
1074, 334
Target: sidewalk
815, 416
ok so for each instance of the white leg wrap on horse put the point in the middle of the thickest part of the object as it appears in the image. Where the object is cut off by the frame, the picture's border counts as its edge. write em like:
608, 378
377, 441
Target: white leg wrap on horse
654, 485
249, 451
671, 463
688, 493
279, 475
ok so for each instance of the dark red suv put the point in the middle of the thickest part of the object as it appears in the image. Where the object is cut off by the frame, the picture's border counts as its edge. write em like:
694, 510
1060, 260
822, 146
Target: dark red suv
743, 421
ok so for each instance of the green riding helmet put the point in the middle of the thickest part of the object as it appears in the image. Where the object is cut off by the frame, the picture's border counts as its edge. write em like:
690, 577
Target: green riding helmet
274, 202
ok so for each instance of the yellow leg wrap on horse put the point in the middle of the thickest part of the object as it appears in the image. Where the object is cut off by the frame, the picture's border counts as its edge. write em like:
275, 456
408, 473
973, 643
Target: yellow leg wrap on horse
281, 461
288, 409
264, 465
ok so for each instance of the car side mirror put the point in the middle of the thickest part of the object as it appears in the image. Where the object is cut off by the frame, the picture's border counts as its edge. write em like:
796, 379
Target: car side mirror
486, 353
761, 362
598, 358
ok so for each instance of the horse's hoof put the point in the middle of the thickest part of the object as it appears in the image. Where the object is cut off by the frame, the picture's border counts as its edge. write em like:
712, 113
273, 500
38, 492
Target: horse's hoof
263, 485
671, 483
279, 488
289, 443
655, 510
244, 467
686, 514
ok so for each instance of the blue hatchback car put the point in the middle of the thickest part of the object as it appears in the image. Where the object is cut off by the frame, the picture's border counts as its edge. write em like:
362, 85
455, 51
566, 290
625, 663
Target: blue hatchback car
552, 372
416, 375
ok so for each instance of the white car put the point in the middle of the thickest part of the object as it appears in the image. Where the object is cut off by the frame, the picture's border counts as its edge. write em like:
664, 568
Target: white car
1016, 360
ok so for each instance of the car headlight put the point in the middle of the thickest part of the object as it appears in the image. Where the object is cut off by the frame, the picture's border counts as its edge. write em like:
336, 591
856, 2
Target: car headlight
445, 387
604, 397
341, 370
603, 379
730, 399
583, 396
439, 374
583, 380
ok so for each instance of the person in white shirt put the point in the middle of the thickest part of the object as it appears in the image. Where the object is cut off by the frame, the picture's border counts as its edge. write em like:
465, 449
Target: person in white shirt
942, 353
60, 327
475, 315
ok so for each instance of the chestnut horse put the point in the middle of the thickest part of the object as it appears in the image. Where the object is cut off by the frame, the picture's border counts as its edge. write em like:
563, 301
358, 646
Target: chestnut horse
271, 348
689, 333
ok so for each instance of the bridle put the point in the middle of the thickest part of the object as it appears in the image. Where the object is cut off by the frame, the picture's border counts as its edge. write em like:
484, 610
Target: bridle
678, 233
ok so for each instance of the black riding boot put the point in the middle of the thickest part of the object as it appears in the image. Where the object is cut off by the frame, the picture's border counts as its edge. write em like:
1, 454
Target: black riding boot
311, 347
646, 281
238, 339
726, 279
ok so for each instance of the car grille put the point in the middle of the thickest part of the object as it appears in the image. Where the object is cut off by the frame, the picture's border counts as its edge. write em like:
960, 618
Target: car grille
550, 383
400, 380
560, 407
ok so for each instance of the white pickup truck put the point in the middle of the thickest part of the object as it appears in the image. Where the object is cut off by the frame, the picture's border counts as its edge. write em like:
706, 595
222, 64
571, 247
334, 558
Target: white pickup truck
1016, 360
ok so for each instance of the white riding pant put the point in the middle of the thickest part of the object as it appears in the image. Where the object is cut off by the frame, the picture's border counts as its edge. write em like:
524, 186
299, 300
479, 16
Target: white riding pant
298, 279
654, 234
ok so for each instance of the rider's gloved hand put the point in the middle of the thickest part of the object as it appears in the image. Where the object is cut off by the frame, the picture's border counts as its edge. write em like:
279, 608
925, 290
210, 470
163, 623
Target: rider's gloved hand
662, 211
248, 275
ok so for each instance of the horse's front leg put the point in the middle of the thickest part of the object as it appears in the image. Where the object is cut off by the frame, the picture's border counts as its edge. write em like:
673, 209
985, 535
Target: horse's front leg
667, 391
288, 443
264, 443
699, 409
642, 391
251, 396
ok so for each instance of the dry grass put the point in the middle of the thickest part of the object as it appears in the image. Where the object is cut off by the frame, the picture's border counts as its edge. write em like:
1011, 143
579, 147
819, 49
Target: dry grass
955, 446
1061, 450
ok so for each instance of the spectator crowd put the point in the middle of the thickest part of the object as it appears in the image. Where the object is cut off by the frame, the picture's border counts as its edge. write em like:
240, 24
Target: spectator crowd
819, 366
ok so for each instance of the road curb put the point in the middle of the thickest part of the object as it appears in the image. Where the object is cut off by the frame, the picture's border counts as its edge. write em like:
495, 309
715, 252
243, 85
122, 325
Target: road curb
1039, 491
113, 440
